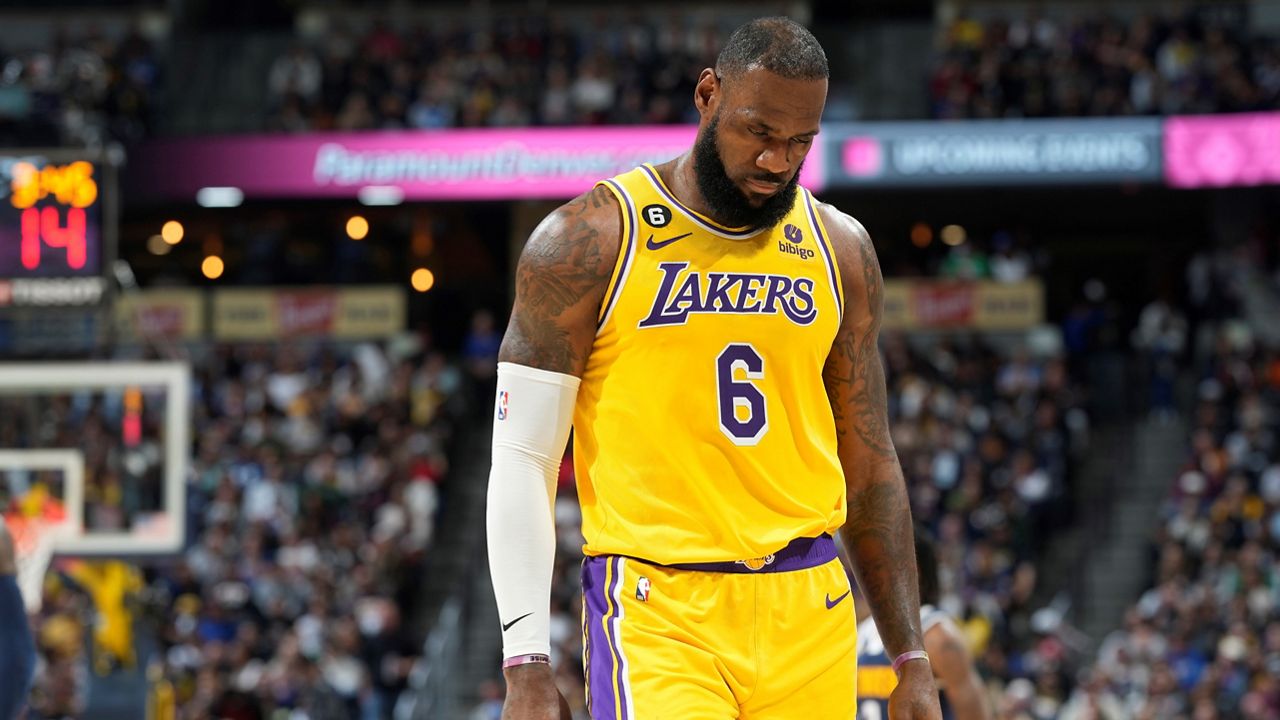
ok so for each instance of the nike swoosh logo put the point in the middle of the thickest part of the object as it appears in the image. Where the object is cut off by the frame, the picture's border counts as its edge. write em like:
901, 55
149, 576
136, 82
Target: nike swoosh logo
832, 603
663, 243
507, 626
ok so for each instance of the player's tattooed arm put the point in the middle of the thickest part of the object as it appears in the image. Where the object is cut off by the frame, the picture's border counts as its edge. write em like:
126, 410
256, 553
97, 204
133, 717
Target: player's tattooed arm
560, 282
877, 531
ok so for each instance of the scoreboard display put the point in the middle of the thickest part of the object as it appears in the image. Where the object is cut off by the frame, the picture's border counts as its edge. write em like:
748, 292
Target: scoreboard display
53, 248
50, 223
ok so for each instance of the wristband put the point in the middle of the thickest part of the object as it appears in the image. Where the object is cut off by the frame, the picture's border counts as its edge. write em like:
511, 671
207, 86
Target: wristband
907, 657
525, 660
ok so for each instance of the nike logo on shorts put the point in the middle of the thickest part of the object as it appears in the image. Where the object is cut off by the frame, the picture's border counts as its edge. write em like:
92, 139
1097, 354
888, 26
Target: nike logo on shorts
832, 603
663, 243
507, 626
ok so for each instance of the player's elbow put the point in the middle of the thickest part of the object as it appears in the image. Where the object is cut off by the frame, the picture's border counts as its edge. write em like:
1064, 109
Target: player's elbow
512, 461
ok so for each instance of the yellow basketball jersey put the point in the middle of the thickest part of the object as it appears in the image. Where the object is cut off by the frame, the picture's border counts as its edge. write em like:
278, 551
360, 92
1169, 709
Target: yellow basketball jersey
702, 431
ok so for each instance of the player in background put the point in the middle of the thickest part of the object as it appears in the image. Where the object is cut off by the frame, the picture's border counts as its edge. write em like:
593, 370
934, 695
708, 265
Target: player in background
709, 330
17, 647
962, 693
112, 585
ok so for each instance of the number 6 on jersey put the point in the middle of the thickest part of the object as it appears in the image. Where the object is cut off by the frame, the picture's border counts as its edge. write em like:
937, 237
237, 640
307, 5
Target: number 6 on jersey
734, 395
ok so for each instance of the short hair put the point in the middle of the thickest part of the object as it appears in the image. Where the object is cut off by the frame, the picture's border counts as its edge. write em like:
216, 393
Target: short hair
926, 566
777, 44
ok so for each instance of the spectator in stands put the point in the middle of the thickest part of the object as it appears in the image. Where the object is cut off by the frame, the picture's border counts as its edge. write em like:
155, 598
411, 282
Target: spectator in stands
296, 74
540, 70
1203, 640
480, 349
964, 262
1161, 338
1036, 66
1009, 263
79, 91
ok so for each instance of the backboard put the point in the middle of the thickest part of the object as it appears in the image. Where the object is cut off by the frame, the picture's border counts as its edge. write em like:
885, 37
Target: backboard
115, 436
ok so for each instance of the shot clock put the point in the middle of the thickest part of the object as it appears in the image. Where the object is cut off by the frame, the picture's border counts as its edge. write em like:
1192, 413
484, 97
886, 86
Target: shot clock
54, 225
50, 223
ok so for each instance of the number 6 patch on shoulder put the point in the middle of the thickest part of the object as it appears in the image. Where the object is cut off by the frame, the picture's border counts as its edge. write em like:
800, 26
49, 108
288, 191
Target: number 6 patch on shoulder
657, 215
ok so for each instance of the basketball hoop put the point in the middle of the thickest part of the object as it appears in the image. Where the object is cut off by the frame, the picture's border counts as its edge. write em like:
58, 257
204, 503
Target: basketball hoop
33, 541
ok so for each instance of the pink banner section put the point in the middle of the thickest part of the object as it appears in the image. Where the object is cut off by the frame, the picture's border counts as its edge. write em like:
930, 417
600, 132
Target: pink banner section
1222, 150
449, 165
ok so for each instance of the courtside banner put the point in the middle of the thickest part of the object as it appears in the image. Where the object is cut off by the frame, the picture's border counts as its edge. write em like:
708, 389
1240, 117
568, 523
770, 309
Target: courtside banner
992, 152
975, 305
486, 164
169, 313
1222, 150
349, 313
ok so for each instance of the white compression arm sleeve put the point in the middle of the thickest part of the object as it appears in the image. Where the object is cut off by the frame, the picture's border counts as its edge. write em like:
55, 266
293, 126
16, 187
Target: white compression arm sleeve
532, 417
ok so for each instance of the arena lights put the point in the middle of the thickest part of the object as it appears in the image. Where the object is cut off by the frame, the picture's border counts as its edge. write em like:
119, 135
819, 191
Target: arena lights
953, 235
421, 243
212, 267
172, 232
921, 235
219, 197
380, 195
157, 245
422, 280
357, 227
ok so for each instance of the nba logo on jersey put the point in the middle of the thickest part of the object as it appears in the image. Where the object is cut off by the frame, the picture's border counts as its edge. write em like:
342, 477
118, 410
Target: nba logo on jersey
642, 589
502, 404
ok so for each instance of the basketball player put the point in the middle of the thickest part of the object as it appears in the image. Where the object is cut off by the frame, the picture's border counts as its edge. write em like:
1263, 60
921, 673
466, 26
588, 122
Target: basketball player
963, 697
709, 330
17, 648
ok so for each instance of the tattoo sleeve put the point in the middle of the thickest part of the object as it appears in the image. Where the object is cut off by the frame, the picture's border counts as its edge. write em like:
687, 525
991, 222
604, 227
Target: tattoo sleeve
560, 281
877, 531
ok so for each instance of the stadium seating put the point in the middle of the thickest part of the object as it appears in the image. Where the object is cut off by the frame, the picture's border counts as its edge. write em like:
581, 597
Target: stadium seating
1097, 65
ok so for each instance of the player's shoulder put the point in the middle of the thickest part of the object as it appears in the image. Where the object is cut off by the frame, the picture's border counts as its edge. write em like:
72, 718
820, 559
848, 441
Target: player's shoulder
593, 213
585, 232
851, 243
840, 225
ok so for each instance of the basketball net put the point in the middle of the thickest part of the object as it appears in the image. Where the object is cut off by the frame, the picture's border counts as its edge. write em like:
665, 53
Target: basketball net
33, 545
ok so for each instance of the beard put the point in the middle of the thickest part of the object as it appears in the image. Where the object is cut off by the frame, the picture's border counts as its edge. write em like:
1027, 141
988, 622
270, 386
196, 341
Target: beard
728, 204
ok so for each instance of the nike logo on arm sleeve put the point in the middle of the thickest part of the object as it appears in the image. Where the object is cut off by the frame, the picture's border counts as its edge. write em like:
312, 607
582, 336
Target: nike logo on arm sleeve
507, 626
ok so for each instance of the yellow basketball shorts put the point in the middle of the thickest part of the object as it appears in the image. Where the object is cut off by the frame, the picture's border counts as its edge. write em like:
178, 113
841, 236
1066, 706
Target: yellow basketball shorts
763, 639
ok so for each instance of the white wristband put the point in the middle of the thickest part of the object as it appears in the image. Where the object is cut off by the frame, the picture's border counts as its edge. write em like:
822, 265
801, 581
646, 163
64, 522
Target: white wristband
532, 417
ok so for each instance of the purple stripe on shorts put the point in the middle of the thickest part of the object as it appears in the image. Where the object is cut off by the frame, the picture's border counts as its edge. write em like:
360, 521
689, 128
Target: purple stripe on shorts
600, 651
614, 642
586, 645
799, 554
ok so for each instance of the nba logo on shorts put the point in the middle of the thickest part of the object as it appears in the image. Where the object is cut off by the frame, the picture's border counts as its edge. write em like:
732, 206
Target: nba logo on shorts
502, 404
642, 589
